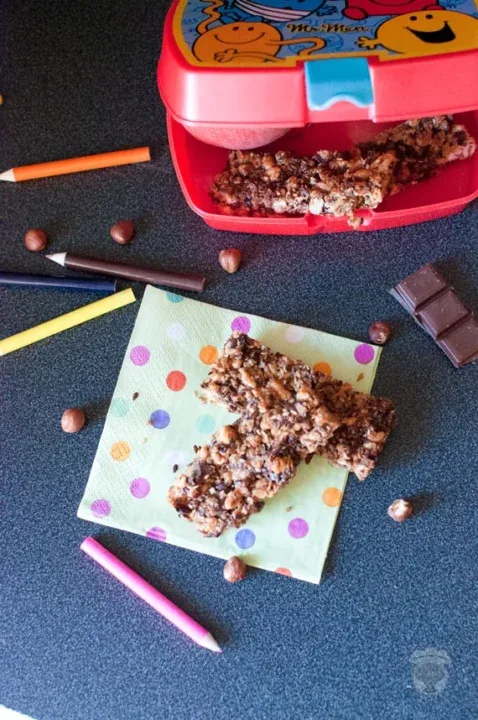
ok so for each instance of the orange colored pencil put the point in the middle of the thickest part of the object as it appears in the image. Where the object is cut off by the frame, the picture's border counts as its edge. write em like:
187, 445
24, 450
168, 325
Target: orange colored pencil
78, 164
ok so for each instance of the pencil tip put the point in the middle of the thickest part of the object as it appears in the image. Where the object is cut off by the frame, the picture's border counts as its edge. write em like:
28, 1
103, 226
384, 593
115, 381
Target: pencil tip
209, 643
7, 176
57, 258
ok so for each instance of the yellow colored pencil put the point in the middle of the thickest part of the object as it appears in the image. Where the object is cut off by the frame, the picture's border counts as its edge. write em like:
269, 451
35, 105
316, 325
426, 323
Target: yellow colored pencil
65, 322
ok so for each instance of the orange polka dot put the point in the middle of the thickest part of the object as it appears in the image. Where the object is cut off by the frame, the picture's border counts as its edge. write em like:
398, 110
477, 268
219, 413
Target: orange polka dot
120, 451
323, 367
332, 496
176, 380
284, 571
208, 354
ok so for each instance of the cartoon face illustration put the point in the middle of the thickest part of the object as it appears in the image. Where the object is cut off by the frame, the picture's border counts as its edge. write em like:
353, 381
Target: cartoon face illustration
426, 33
274, 10
360, 9
245, 44
231, 43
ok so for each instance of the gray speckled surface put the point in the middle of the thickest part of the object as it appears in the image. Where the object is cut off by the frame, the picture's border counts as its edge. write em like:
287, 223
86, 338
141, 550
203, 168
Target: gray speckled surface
79, 78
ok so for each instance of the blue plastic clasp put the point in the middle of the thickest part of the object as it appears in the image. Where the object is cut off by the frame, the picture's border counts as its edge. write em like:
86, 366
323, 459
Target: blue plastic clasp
330, 81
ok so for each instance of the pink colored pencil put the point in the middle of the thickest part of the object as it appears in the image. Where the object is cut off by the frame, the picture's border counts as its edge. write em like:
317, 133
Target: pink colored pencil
149, 594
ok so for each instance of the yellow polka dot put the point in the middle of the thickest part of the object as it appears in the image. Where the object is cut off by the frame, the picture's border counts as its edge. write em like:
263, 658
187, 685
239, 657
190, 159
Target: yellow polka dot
332, 496
120, 451
208, 354
323, 367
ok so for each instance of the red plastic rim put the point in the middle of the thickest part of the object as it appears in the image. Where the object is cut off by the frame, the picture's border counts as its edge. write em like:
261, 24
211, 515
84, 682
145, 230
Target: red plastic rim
197, 163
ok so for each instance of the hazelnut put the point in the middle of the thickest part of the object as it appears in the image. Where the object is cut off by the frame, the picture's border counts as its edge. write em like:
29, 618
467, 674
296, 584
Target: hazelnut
279, 389
233, 500
282, 464
226, 435
400, 510
72, 420
36, 240
230, 260
122, 232
379, 332
247, 378
234, 570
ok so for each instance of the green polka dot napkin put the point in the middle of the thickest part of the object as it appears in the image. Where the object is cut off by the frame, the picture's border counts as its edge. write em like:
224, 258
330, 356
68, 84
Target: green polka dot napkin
155, 419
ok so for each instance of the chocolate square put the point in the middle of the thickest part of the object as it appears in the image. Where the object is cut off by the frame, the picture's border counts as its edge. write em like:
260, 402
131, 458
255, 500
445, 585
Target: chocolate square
420, 287
461, 344
442, 313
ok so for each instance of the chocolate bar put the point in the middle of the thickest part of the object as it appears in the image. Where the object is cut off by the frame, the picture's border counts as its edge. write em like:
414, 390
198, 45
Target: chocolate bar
435, 306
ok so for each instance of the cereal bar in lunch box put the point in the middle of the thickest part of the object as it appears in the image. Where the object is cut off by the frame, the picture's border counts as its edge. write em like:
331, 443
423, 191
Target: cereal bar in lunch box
340, 183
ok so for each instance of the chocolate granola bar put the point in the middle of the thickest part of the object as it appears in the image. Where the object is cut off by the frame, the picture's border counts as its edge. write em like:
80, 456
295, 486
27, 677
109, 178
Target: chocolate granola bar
329, 183
249, 376
315, 412
340, 183
230, 478
288, 412
421, 148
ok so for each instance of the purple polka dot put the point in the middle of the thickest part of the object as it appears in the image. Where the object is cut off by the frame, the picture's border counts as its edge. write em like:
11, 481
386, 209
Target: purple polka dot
156, 533
139, 487
245, 539
140, 355
364, 354
100, 508
160, 419
241, 324
298, 528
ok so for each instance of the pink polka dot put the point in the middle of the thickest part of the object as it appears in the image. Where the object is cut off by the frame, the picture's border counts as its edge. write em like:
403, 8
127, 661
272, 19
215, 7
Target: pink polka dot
139, 487
364, 354
156, 533
140, 355
298, 528
100, 508
241, 324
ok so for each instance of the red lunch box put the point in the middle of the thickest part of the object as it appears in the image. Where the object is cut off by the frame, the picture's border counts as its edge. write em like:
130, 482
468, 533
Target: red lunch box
303, 75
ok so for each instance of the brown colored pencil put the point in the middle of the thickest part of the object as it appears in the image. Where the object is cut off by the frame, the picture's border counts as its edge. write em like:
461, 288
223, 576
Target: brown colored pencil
179, 281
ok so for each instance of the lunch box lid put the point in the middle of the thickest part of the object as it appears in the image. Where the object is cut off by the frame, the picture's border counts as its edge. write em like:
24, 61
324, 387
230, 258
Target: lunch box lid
286, 63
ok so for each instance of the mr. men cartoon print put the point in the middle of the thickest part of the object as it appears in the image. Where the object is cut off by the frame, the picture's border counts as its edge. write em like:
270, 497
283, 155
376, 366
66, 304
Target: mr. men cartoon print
360, 9
271, 33
278, 11
248, 43
425, 33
